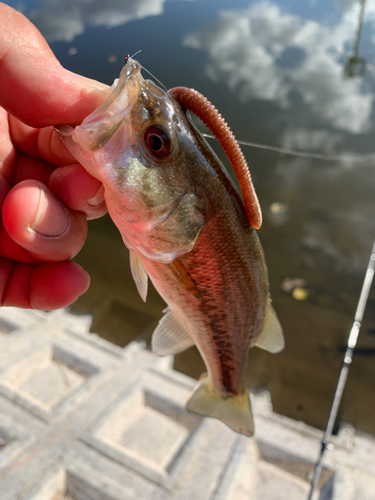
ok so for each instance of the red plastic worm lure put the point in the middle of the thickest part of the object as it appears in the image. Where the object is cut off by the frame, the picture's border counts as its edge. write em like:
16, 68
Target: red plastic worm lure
196, 103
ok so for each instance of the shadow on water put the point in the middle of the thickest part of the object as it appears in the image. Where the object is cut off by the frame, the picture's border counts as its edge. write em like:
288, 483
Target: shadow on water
297, 76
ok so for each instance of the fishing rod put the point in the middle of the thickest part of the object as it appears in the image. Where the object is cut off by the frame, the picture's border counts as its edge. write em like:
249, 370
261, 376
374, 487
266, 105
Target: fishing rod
352, 341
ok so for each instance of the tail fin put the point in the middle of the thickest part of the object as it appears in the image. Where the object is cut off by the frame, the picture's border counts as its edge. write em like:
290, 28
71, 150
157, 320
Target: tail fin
234, 411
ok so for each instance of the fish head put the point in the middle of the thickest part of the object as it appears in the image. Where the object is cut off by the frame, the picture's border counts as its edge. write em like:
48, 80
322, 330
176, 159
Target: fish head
140, 145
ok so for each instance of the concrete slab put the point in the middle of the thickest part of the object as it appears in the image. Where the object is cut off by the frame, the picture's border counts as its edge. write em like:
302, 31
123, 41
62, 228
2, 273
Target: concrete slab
83, 419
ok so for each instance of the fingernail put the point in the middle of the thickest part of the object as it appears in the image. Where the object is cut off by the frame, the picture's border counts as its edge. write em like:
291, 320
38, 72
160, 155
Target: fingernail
97, 199
51, 218
88, 82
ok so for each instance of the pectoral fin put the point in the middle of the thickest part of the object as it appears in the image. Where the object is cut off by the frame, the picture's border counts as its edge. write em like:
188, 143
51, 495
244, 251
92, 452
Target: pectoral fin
234, 411
170, 337
183, 278
139, 274
271, 339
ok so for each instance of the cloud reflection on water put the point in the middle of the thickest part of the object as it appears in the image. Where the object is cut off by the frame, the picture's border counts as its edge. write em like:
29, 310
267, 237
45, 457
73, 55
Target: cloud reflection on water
263, 52
310, 140
64, 20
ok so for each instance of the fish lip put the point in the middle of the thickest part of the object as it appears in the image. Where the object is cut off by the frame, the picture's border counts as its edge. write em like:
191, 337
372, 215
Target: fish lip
100, 126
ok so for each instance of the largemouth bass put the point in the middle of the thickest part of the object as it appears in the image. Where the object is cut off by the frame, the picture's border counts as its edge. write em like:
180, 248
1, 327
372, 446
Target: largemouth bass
187, 229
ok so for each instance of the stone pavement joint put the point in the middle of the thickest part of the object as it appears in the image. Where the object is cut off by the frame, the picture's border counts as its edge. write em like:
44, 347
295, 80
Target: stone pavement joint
83, 419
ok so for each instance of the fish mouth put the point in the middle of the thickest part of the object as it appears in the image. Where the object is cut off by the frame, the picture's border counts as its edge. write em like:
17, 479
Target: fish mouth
98, 128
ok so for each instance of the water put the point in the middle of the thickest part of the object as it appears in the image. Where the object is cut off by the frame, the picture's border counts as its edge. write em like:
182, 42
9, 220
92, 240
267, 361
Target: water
296, 75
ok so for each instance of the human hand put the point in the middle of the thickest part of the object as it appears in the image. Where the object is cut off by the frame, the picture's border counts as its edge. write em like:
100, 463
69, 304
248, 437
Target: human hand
45, 196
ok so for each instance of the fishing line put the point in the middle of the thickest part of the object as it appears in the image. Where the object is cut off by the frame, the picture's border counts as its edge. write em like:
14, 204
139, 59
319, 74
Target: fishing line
352, 341
304, 154
154, 77
291, 152
136, 53
147, 71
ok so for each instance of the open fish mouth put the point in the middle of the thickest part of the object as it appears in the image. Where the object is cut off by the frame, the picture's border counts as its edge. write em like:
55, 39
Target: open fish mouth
107, 131
101, 125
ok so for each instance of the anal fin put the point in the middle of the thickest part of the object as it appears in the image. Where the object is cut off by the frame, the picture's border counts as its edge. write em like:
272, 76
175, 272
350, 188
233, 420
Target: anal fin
170, 337
271, 338
139, 274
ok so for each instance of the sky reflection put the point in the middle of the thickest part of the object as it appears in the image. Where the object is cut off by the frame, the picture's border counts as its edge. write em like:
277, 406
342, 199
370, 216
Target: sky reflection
63, 21
264, 52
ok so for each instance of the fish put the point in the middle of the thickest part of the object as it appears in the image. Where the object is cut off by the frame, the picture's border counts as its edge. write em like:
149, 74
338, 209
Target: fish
187, 229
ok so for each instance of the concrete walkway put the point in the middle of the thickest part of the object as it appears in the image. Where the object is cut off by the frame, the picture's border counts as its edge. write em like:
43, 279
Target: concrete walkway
83, 419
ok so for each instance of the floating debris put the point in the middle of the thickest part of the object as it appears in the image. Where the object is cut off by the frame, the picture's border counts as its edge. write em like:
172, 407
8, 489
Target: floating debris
296, 286
72, 51
279, 208
112, 58
300, 293
289, 284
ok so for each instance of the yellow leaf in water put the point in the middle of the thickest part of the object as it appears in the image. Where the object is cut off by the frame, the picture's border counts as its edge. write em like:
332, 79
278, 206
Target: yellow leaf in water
278, 208
300, 293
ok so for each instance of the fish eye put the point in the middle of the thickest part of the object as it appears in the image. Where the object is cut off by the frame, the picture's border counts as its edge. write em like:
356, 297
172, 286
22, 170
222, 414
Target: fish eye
157, 141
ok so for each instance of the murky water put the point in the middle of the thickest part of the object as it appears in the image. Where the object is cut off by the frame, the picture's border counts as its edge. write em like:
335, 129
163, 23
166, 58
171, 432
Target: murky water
294, 75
